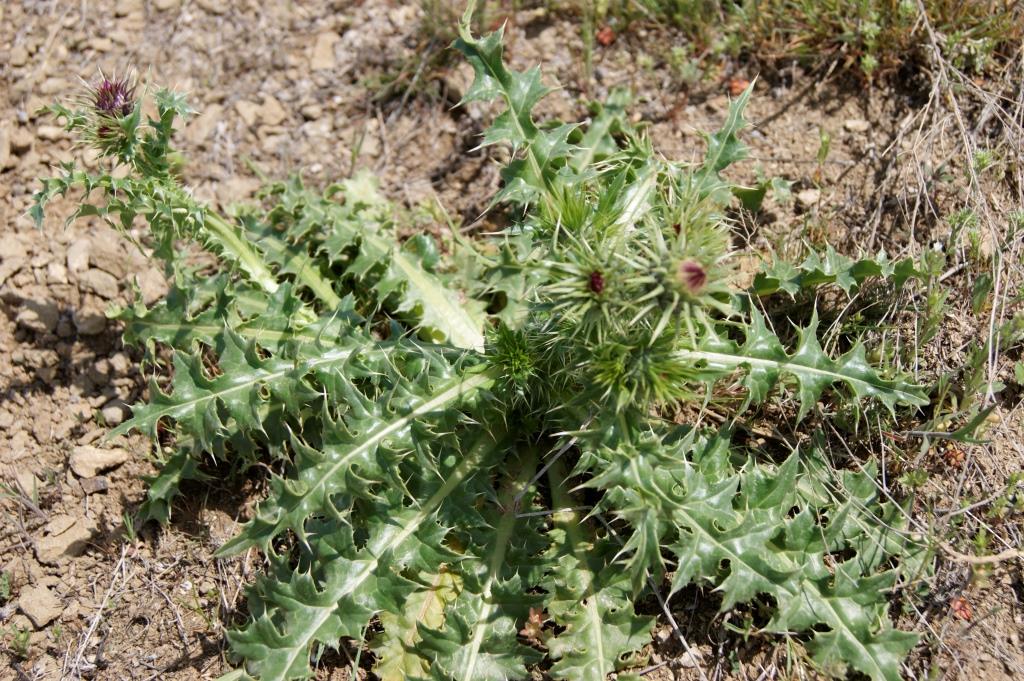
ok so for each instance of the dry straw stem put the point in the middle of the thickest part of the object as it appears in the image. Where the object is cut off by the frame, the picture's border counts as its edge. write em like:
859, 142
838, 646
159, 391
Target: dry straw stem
1001, 557
119, 575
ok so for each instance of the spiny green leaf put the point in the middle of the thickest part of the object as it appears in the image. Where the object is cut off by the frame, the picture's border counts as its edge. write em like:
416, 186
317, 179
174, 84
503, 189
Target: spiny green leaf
395, 646
340, 587
275, 323
765, 362
598, 142
724, 149
478, 641
833, 268
172, 213
590, 598
334, 597
291, 259
543, 151
358, 236
353, 445
202, 405
166, 485
746, 543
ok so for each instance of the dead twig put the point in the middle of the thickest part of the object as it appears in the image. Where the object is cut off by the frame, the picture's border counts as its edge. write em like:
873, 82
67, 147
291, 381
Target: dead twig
995, 558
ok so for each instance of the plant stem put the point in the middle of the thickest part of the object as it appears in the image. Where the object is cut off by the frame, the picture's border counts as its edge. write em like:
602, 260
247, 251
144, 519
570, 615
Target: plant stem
502, 539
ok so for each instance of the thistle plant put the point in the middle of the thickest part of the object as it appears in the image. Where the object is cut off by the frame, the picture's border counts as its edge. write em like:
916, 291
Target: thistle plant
482, 468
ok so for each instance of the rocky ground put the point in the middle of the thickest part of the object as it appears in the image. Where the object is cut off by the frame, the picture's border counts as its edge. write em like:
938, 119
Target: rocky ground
322, 88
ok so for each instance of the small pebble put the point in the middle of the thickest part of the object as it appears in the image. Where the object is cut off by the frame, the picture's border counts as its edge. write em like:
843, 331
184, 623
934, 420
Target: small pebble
95, 484
857, 125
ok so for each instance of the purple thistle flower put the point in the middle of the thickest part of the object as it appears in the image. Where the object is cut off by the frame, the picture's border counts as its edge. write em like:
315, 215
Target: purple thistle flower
596, 282
114, 98
693, 276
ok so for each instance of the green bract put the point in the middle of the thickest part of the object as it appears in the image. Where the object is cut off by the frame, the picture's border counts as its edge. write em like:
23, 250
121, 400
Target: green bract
463, 451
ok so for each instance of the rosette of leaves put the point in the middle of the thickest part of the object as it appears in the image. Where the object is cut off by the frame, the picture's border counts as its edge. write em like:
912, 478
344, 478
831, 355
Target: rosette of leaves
474, 492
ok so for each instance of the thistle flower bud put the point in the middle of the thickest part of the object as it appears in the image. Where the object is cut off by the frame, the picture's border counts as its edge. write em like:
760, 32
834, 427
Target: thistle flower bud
692, 276
596, 283
113, 97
